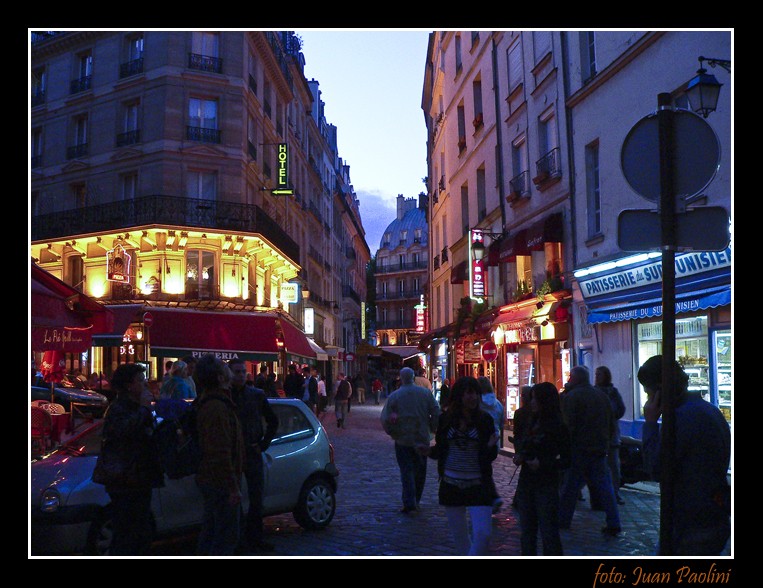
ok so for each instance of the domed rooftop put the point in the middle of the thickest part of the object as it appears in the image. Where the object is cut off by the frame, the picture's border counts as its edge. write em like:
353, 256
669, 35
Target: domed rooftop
409, 218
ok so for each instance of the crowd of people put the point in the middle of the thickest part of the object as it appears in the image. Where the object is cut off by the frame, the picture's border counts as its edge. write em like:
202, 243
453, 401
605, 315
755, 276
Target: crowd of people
563, 440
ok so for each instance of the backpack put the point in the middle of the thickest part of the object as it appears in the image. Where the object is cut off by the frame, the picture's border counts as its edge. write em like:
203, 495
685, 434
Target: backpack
178, 442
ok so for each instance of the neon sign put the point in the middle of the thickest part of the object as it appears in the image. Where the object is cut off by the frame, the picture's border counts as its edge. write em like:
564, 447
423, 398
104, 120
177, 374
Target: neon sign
282, 177
477, 273
118, 264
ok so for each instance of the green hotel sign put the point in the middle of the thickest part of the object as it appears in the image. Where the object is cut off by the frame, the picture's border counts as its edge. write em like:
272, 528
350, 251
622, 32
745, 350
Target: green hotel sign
282, 179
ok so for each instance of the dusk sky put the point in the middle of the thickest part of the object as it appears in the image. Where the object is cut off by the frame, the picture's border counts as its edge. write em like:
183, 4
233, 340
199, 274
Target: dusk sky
371, 83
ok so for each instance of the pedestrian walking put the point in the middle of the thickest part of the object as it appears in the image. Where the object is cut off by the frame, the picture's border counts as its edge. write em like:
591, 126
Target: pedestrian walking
376, 389
588, 417
360, 388
190, 362
521, 420
603, 381
322, 395
310, 390
342, 399
465, 447
542, 452
128, 464
410, 417
701, 503
222, 459
253, 409
176, 387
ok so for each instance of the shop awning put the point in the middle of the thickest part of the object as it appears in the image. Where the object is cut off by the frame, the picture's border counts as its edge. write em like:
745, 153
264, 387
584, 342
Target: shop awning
296, 343
515, 317
687, 302
404, 351
124, 316
547, 230
459, 273
513, 246
62, 318
247, 335
320, 354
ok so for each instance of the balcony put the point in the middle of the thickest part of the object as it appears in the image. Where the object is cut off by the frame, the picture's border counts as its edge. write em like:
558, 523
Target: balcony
478, 122
549, 169
158, 210
75, 151
80, 84
205, 63
349, 292
519, 187
436, 262
252, 150
444, 254
203, 134
131, 68
404, 295
441, 184
401, 267
128, 138
382, 324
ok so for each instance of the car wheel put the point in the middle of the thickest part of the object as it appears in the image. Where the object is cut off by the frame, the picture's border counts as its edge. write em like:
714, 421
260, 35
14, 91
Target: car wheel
101, 534
317, 504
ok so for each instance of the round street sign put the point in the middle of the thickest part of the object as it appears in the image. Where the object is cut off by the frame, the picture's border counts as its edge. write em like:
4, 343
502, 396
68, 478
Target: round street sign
349, 357
696, 155
489, 351
148, 319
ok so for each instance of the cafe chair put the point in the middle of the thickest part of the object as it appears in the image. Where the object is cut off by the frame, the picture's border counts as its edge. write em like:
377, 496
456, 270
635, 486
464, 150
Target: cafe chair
40, 403
42, 429
55, 408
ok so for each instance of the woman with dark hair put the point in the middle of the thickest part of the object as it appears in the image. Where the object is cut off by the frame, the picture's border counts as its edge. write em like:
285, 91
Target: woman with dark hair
129, 447
465, 447
543, 450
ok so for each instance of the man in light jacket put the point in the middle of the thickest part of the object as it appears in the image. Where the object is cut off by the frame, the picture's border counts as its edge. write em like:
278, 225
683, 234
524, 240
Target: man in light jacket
410, 417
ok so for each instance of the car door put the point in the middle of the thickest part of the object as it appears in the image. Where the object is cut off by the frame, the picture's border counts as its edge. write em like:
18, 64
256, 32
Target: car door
291, 458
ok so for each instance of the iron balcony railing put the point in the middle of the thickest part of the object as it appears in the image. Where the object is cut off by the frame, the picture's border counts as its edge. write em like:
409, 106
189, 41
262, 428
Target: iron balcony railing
401, 267
414, 294
131, 68
395, 324
75, 151
203, 134
205, 63
519, 186
128, 138
164, 210
349, 292
80, 84
549, 164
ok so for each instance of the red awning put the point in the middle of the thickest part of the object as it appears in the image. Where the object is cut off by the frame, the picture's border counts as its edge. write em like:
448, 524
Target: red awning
459, 274
513, 246
295, 341
62, 318
547, 230
514, 317
124, 315
247, 335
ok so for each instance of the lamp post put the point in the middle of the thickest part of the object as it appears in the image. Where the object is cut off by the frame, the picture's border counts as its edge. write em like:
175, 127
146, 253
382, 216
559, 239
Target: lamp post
476, 269
703, 91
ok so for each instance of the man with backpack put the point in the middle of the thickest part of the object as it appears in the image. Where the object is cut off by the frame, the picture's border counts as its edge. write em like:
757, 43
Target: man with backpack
343, 393
252, 407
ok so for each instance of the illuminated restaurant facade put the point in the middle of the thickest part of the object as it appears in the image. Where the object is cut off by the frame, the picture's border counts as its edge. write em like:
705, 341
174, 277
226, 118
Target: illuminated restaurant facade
187, 175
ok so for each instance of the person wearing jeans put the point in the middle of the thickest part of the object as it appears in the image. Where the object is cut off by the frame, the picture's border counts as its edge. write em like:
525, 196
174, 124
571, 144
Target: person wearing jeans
465, 447
410, 417
588, 416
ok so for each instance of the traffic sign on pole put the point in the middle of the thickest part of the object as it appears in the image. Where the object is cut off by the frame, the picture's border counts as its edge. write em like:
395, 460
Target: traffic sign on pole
489, 351
148, 319
704, 228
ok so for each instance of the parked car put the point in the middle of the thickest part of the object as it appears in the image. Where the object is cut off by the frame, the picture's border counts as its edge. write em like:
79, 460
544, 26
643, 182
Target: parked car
71, 514
89, 401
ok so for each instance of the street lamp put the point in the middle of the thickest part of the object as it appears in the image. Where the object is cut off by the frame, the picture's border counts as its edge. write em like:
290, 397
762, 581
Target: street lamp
669, 244
703, 89
478, 246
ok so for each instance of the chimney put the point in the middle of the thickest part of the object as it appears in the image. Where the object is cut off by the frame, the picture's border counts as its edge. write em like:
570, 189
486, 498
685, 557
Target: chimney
400, 206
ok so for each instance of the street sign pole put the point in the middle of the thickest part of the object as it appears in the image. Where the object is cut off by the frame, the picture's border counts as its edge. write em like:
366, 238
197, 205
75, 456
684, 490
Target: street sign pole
668, 392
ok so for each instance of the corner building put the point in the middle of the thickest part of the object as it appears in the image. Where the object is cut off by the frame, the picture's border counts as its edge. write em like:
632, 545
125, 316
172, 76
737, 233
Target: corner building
192, 175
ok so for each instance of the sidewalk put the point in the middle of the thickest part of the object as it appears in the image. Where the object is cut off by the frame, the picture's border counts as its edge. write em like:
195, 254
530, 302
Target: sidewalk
368, 522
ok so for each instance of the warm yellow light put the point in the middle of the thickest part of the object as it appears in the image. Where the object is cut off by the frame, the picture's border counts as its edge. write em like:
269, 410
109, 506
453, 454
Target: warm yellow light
98, 288
498, 335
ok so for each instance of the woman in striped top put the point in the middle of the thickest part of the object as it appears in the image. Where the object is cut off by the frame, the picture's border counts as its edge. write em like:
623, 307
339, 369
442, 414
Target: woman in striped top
465, 447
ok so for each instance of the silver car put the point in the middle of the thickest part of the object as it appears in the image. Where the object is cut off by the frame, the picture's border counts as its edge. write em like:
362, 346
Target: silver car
71, 514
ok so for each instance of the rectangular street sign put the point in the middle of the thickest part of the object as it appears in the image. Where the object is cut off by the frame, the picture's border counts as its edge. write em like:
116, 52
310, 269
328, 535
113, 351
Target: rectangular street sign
705, 228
